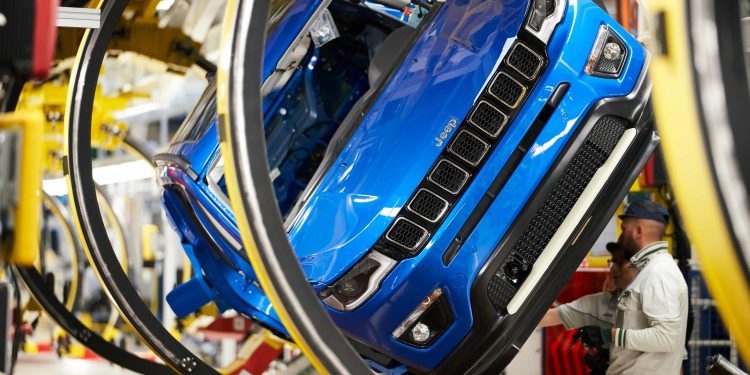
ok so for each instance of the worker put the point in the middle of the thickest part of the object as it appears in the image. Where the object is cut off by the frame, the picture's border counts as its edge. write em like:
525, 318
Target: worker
599, 308
596, 310
651, 318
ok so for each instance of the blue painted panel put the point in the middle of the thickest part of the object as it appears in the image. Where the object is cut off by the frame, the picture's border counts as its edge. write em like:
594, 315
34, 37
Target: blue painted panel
394, 146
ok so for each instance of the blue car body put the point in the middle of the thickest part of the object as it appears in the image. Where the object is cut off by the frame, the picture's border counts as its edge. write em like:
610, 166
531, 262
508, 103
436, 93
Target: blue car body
501, 222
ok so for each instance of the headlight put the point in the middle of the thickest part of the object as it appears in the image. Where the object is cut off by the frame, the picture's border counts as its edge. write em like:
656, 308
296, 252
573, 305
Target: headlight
359, 283
543, 16
608, 54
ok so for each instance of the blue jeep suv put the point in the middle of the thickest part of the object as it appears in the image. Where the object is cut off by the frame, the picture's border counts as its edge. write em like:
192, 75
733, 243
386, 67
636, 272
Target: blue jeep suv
441, 175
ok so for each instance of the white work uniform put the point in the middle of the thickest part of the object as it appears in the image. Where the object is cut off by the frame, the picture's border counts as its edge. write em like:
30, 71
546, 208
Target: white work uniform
598, 309
651, 317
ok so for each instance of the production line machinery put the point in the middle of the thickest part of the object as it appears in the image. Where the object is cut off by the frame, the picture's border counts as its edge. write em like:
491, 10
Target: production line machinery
620, 73
303, 313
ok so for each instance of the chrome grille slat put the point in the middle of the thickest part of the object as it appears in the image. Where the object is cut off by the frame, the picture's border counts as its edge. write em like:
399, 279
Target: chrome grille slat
407, 234
524, 61
448, 176
428, 205
507, 90
468, 147
488, 118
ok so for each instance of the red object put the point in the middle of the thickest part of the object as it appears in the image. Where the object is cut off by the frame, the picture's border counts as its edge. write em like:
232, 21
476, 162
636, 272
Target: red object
647, 176
561, 357
260, 359
45, 36
227, 328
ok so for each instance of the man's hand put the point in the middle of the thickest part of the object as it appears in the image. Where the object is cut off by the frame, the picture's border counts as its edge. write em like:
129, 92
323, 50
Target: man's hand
609, 285
593, 336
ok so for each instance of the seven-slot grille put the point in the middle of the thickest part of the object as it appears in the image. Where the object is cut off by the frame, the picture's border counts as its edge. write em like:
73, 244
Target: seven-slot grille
537, 234
473, 141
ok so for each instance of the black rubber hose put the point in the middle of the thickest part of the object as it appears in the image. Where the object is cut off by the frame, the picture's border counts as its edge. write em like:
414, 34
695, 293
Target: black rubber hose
139, 147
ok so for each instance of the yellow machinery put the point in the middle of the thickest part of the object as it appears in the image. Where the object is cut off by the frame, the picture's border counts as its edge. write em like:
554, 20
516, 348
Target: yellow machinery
21, 175
696, 117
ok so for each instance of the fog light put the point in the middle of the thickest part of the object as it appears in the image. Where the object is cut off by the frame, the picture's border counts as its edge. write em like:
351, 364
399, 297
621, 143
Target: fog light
420, 333
607, 56
427, 322
357, 285
612, 51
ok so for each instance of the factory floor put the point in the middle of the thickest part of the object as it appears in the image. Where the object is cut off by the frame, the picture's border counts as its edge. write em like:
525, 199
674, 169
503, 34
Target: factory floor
50, 363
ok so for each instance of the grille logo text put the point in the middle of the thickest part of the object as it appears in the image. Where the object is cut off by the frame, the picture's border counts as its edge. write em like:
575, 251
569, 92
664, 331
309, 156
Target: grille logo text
446, 130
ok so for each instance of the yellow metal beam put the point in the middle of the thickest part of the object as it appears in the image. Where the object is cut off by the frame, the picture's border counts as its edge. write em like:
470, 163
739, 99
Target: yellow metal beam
690, 171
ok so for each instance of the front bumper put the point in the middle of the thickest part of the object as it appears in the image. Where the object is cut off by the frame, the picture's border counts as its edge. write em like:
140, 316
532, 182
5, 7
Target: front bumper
503, 322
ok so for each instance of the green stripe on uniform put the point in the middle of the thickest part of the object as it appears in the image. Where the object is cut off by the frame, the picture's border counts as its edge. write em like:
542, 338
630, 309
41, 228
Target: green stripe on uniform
624, 336
646, 255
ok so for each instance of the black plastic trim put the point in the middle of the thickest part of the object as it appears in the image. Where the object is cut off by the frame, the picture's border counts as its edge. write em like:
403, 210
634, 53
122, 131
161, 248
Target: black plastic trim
504, 175
172, 160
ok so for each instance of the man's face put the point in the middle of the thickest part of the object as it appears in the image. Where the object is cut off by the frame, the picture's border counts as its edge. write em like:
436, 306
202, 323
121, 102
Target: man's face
621, 271
628, 240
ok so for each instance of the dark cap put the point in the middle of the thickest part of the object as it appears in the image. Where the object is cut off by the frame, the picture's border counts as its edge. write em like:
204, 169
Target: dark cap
612, 246
647, 209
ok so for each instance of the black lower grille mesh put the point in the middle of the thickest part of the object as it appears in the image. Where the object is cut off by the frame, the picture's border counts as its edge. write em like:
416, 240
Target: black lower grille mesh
500, 292
428, 205
507, 90
449, 176
488, 119
587, 160
525, 61
406, 234
468, 147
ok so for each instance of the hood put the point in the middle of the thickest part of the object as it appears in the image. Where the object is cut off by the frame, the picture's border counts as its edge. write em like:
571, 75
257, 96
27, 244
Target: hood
399, 138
